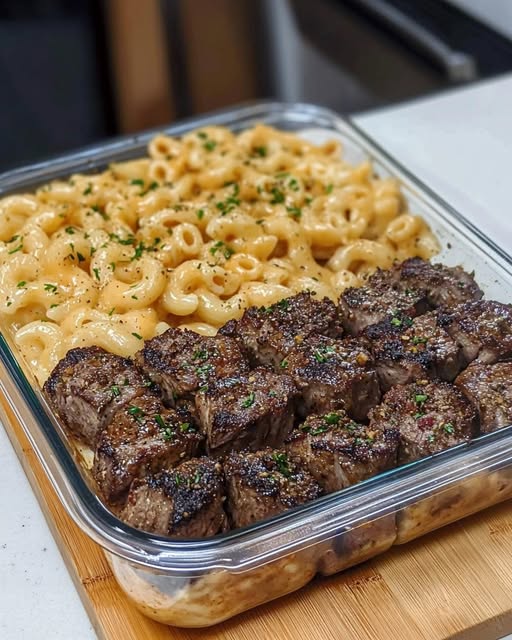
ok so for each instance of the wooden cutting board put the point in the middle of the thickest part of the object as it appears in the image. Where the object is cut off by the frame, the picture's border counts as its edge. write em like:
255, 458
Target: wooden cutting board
454, 583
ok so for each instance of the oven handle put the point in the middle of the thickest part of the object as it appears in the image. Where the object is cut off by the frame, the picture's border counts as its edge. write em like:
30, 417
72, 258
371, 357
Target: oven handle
458, 65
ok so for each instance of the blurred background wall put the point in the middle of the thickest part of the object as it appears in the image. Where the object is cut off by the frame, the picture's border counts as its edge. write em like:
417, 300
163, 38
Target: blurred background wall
77, 71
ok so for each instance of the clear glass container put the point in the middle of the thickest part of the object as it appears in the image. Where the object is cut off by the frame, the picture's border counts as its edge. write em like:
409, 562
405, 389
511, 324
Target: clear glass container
197, 583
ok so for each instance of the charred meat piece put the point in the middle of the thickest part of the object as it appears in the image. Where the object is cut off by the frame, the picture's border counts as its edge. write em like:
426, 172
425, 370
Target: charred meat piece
88, 386
482, 328
247, 411
333, 374
181, 361
339, 452
489, 389
361, 307
142, 438
186, 502
263, 484
444, 286
406, 350
431, 416
269, 333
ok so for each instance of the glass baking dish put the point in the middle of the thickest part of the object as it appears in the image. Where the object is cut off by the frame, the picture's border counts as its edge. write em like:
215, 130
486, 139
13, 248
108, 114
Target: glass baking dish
197, 583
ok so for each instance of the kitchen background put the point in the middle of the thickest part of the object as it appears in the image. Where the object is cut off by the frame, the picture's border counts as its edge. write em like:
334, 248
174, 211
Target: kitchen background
77, 71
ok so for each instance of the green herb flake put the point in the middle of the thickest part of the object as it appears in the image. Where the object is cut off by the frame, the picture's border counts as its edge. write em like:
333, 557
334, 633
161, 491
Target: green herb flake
210, 145
115, 391
88, 190
16, 249
21, 284
249, 400
329, 188
284, 363
448, 428
318, 430
69, 230
419, 340
295, 212
200, 214
322, 354
137, 335
81, 258
138, 182
261, 151
281, 460
332, 418
50, 287
185, 426
278, 196
202, 134
396, 322
96, 273
420, 398
160, 421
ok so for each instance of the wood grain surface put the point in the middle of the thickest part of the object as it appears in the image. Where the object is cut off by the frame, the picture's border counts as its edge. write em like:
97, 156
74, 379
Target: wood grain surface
453, 583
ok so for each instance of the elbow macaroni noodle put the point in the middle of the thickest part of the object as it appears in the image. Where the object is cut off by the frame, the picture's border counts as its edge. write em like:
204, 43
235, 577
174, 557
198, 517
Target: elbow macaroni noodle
190, 236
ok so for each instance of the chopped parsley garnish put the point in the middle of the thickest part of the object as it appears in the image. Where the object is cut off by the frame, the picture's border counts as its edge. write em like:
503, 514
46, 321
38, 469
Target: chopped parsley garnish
332, 418
200, 214
293, 184
50, 287
284, 363
329, 188
136, 412
202, 134
226, 250
21, 283
431, 438
248, 401
88, 190
396, 322
210, 145
419, 340
200, 354
185, 426
137, 181
295, 212
227, 205
169, 434
318, 430
81, 258
278, 196
136, 335
281, 460
261, 151
16, 249
96, 273
420, 398
197, 477
115, 390
69, 230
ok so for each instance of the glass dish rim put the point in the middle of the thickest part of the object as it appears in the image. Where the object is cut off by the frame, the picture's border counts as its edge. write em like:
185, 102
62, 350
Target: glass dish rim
163, 553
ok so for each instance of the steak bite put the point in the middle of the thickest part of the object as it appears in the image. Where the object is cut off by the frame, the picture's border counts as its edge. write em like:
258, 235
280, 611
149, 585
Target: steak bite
186, 502
443, 286
339, 452
333, 374
247, 411
269, 333
143, 437
431, 416
361, 307
262, 484
489, 388
182, 361
88, 386
406, 350
482, 328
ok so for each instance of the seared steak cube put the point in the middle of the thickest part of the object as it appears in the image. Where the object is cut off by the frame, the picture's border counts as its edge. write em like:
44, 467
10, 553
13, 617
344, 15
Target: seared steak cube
361, 307
406, 350
270, 333
88, 386
431, 416
333, 374
489, 389
263, 484
186, 502
181, 361
143, 437
247, 411
482, 328
339, 452
443, 286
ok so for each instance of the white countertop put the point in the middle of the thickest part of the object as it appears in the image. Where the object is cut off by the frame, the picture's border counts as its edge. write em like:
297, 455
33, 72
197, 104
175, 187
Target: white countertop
460, 144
